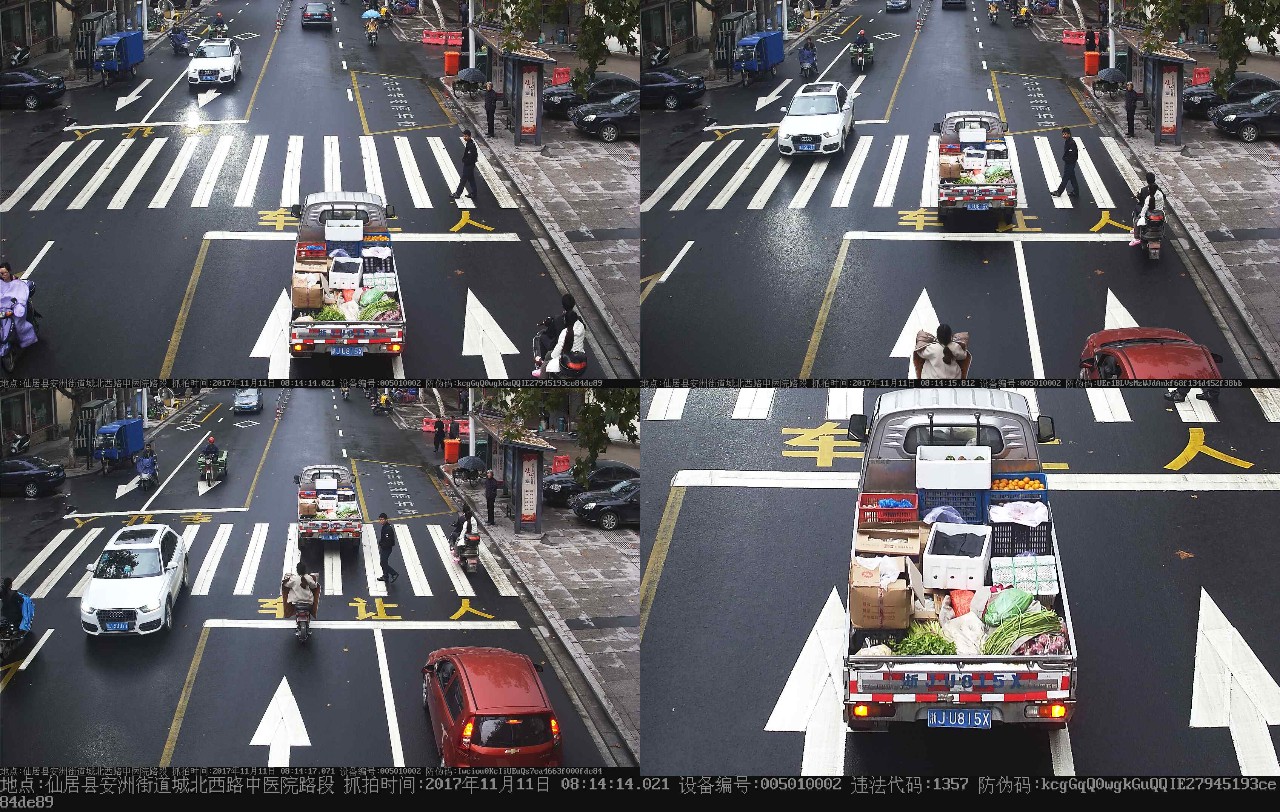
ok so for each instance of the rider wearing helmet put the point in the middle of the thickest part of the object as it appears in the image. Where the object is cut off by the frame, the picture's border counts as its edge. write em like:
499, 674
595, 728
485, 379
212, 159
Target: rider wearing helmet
210, 449
862, 38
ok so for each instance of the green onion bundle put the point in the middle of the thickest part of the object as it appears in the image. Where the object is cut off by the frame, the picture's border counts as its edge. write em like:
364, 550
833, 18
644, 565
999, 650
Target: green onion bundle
1030, 624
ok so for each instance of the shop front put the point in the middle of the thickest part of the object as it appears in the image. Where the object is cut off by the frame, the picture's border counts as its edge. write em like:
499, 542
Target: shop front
31, 23
32, 412
670, 23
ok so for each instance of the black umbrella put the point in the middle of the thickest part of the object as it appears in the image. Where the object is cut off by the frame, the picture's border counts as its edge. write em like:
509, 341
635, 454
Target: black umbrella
474, 75
1114, 75
472, 464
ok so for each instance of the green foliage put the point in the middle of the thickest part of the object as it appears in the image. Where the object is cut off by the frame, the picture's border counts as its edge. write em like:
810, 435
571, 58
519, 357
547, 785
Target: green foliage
1248, 18
606, 406
520, 20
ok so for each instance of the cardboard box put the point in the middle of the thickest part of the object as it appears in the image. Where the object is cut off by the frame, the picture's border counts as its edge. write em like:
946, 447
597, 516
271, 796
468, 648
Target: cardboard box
308, 291
307, 509
948, 169
956, 571
320, 266
935, 472
871, 607
891, 538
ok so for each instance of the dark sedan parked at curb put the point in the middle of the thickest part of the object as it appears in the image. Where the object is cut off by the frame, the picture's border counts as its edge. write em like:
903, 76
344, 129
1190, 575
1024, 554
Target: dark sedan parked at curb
30, 88
558, 489
248, 400
618, 505
30, 476
610, 120
560, 99
671, 88
1250, 120
1200, 99
316, 14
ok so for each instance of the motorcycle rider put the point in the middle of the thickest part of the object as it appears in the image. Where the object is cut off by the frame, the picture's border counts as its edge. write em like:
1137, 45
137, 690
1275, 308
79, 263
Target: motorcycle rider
210, 449
14, 294
302, 587
1149, 199
371, 28
10, 603
345, 392
384, 401
992, 9
178, 37
568, 359
464, 526
1024, 14
861, 39
807, 57
149, 453
386, 15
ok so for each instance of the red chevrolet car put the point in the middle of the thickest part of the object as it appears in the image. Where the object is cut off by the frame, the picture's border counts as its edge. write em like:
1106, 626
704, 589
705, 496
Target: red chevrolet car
1147, 353
488, 708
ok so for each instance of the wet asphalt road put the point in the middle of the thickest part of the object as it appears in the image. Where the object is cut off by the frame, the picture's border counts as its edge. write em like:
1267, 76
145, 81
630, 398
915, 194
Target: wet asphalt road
129, 284
86, 701
755, 248
748, 571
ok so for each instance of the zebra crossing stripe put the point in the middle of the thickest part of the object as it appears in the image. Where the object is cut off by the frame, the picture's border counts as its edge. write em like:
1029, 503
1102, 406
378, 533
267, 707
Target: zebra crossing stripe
459, 578
451, 177
1108, 406
412, 564
736, 181
77, 591
332, 570
100, 177
252, 172
372, 566
372, 172
889, 181
35, 176
765, 191
1092, 179
675, 175
753, 404
332, 164
844, 191
496, 186
209, 566
1121, 164
131, 182
496, 574
705, 176
1269, 400
409, 165
809, 183
41, 557
1051, 174
1017, 170
249, 570
667, 404
292, 552
929, 186
179, 166
51, 580
189, 537
1194, 410
843, 402
289, 189
209, 181
45, 199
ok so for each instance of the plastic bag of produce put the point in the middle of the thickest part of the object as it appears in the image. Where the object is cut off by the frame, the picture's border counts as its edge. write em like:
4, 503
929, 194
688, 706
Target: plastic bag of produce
945, 513
1009, 603
350, 311
370, 296
967, 632
874, 651
1030, 514
960, 601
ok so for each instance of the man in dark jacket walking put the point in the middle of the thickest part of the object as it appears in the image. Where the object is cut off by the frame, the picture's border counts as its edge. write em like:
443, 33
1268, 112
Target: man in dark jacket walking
1130, 105
490, 104
469, 157
1069, 156
386, 541
439, 435
490, 494
1090, 40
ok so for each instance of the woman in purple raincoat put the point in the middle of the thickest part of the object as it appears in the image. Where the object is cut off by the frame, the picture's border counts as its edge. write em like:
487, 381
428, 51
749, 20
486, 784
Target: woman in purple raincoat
13, 302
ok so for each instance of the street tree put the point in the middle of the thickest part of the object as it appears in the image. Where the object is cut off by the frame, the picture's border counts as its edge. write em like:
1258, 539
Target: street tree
520, 21
1242, 20
601, 407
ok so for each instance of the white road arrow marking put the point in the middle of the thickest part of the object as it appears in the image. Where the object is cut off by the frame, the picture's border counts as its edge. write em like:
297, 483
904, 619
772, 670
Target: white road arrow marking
765, 101
1117, 315
281, 727
923, 317
812, 700
273, 341
125, 101
1108, 404
1231, 688
207, 96
203, 487
121, 490
482, 336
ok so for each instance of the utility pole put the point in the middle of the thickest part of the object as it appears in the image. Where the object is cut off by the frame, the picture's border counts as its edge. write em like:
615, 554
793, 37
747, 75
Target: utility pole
1111, 35
471, 37
471, 421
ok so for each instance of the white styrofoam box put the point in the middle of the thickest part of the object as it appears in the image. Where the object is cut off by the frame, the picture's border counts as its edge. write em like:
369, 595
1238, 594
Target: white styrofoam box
344, 231
968, 162
973, 135
1037, 574
956, 571
339, 280
935, 472
326, 484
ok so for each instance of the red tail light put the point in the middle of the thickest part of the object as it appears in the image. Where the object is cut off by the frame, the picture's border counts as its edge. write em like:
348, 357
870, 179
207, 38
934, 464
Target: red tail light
1052, 710
395, 348
865, 710
555, 729
466, 734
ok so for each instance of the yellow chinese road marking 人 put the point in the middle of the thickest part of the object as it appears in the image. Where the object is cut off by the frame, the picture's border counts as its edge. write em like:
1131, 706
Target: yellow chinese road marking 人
823, 445
467, 221
82, 522
280, 218
82, 133
918, 218
1107, 221
722, 133
465, 608
1195, 445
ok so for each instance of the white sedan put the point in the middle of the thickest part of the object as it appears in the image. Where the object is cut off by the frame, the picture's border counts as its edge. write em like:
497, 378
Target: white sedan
135, 582
819, 120
216, 62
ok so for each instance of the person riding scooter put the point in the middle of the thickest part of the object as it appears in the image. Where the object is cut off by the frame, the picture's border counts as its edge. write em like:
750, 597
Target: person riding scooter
861, 39
301, 587
17, 316
808, 60
371, 30
465, 528
210, 449
179, 39
346, 393
992, 10
1148, 200
386, 15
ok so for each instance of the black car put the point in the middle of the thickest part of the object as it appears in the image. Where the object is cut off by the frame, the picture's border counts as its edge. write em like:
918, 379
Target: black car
1200, 99
1257, 117
618, 505
897, 5
560, 99
247, 400
560, 488
617, 117
30, 476
30, 88
671, 88
316, 14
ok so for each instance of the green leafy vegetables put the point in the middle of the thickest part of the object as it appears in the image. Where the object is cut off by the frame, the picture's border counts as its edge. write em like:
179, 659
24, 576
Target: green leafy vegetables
924, 638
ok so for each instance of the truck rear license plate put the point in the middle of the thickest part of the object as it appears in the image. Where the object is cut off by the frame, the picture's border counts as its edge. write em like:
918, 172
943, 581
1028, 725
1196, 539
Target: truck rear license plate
329, 537
978, 206
806, 147
348, 350
978, 718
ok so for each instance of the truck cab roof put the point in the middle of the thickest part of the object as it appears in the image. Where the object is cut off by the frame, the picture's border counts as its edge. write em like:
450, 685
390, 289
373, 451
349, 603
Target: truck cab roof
321, 207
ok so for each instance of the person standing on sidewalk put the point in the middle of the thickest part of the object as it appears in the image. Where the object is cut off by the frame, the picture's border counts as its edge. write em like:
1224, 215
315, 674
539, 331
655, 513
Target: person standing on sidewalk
469, 157
1130, 105
386, 542
490, 494
490, 104
1069, 157
439, 435
1090, 41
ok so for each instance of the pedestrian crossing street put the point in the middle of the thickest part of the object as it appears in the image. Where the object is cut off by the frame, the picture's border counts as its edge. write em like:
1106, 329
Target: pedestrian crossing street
1106, 405
264, 174
236, 560
724, 172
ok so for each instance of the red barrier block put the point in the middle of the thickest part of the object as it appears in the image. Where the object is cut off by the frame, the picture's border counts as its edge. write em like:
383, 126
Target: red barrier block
1070, 37
561, 76
453, 38
433, 38
1202, 76
560, 463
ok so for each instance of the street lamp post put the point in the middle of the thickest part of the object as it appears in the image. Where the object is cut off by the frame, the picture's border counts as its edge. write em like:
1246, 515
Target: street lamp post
471, 38
1111, 35
471, 421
